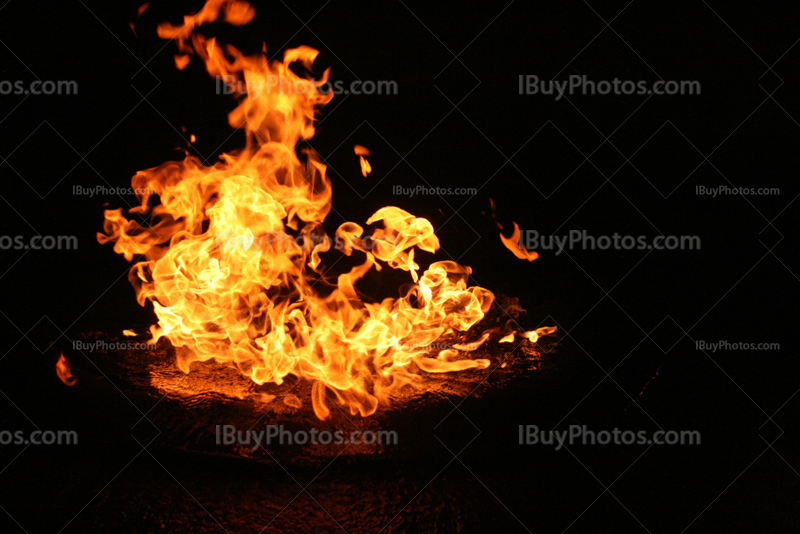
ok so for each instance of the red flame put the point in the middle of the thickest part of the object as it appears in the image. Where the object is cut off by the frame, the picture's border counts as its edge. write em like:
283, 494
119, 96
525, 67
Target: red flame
64, 371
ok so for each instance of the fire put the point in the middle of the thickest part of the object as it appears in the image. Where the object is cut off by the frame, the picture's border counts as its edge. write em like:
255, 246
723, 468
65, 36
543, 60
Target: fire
233, 254
64, 371
512, 243
361, 152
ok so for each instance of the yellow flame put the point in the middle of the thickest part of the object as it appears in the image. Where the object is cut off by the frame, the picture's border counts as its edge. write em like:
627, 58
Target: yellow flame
363, 153
507, 339
232, 257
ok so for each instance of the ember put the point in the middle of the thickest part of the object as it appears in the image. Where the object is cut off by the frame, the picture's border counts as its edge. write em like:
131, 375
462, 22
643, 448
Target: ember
64, 371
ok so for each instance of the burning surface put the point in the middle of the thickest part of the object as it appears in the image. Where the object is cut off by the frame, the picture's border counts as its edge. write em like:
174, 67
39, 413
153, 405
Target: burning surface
233, 261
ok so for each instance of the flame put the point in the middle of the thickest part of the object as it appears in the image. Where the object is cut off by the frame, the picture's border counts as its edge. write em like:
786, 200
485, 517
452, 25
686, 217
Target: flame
361, 151
64, 371
534, 335
232, 255
512, 244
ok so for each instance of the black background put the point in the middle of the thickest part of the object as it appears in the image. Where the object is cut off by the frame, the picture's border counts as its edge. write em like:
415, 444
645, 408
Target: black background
626, 164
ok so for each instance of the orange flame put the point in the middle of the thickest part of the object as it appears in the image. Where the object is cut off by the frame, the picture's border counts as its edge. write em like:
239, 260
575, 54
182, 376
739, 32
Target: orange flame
64, 371
512, 244
361, 152
232, 255
507, 339
534, 335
